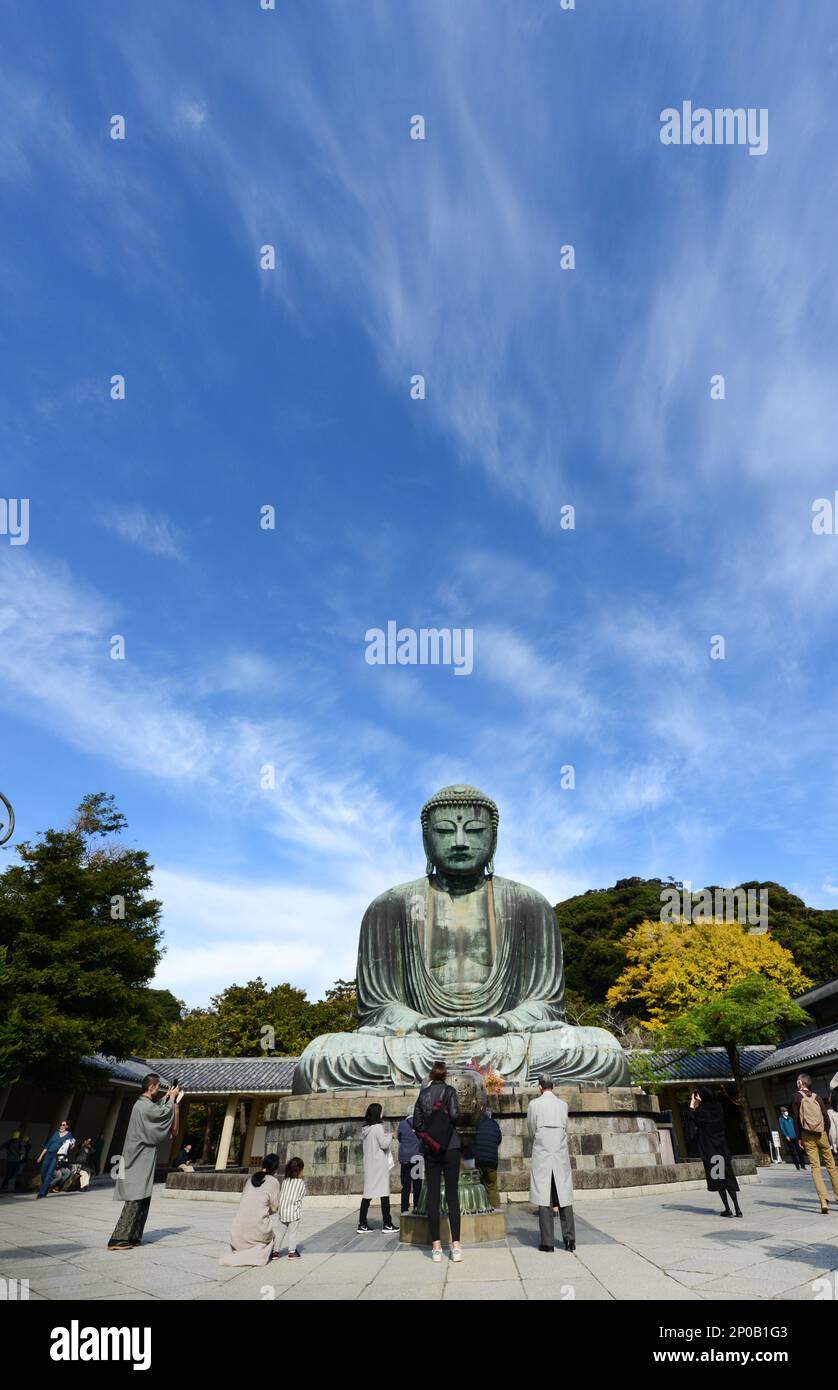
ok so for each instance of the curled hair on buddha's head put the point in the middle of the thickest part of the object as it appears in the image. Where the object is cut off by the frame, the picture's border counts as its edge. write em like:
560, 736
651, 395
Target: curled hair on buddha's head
459, 794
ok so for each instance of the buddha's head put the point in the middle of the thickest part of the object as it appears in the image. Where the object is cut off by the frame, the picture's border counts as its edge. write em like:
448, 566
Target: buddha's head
460, 832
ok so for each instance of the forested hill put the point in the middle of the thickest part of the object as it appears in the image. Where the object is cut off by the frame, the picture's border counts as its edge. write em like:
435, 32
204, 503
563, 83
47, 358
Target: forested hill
593, 925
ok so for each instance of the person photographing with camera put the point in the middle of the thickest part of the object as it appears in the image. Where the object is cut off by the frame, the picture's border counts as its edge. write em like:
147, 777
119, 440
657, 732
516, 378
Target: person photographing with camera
705, 1125
154, 1118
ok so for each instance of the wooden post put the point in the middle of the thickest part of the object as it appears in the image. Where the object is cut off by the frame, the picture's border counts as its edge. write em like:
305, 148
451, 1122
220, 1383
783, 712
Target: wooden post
255, 1107
226, 1134
209, 1131
110, 1127
678, 1126
179, 1139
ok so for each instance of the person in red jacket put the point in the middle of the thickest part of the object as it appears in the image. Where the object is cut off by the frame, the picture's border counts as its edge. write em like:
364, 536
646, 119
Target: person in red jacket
812, 1120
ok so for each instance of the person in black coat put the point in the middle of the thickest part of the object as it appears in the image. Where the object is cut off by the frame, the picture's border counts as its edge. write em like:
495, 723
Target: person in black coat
436, 1114
705, 1126
487, 1142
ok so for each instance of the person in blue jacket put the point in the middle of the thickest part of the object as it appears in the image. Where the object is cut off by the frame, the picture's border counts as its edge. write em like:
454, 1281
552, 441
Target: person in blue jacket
17, 1153
411, 1161
49, 1155
789, 1133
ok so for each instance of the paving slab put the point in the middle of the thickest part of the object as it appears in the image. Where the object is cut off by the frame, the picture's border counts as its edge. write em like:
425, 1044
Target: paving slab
536, 1264
814, 1291
330, 1293
627, 1275
426, 1290
768, 1279
408, 1273
364, 1266
480, 1264
568, 1291
507, 1290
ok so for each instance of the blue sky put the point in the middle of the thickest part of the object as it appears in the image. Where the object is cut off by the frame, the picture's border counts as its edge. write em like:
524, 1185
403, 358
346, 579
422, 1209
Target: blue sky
545, 387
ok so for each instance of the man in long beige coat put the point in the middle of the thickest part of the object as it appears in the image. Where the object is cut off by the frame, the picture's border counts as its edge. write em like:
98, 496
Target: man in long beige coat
551, 1180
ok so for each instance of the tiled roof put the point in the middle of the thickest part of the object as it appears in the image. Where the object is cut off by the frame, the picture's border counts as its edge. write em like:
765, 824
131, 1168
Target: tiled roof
228, 1075
708, 1063
124, 1069
806, 1047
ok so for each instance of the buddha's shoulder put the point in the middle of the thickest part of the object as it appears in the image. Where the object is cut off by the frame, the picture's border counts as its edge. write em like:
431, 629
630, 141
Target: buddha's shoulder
413, 895
521, 893
399, 895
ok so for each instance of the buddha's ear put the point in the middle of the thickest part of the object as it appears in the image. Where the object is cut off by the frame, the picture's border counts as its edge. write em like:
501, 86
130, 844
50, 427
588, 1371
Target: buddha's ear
430, 868
490, 867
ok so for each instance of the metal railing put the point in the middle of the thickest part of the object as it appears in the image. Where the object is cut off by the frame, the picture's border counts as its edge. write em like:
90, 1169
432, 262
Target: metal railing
6, 832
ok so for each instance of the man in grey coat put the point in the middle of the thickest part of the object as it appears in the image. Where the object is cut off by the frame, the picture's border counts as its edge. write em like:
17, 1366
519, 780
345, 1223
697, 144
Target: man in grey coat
152, 1120
551, 1181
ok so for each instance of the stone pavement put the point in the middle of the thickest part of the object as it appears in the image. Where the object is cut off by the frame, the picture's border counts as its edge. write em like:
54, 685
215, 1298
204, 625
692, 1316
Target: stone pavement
672, 1246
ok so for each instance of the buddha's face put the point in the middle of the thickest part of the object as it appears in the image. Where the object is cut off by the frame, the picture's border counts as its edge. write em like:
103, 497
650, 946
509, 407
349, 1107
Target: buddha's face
460, 839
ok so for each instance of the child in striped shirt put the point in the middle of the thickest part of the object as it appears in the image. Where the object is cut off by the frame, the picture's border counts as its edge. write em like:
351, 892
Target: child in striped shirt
291, 1195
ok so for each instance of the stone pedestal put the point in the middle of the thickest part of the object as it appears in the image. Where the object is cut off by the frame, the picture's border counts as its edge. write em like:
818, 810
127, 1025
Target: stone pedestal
612, 1136
474, 1230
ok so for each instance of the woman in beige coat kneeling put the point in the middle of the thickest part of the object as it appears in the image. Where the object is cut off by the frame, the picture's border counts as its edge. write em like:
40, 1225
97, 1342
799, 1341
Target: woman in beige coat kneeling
252, 1235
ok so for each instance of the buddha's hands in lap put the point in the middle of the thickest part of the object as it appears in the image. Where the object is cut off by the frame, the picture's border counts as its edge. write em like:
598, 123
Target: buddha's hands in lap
394, 1022
461, 1029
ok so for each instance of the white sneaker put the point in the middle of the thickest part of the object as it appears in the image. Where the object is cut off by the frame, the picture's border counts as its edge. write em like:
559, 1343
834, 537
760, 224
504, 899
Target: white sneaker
456, 1255
436, 1256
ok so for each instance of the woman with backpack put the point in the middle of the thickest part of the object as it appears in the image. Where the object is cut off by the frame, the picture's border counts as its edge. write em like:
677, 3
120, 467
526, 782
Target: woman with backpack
378, 1161
435, 1122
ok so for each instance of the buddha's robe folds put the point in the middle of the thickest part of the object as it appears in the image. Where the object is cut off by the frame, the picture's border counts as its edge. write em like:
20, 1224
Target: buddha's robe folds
517, 1011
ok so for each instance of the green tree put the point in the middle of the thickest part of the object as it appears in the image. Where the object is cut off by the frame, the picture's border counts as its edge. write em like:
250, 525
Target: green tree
158, 1010
246, 1020
593, 925
337, 1013
9, 1041
82, 940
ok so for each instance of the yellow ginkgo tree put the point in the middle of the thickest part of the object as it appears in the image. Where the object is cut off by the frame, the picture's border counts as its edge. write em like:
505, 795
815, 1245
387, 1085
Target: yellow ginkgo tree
673, 966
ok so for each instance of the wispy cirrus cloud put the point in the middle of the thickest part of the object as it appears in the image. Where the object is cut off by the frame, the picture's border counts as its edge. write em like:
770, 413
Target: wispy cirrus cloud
149, 531
424, 240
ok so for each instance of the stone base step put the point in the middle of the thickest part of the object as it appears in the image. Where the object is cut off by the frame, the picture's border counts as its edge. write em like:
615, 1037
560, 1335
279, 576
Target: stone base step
474, 1230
